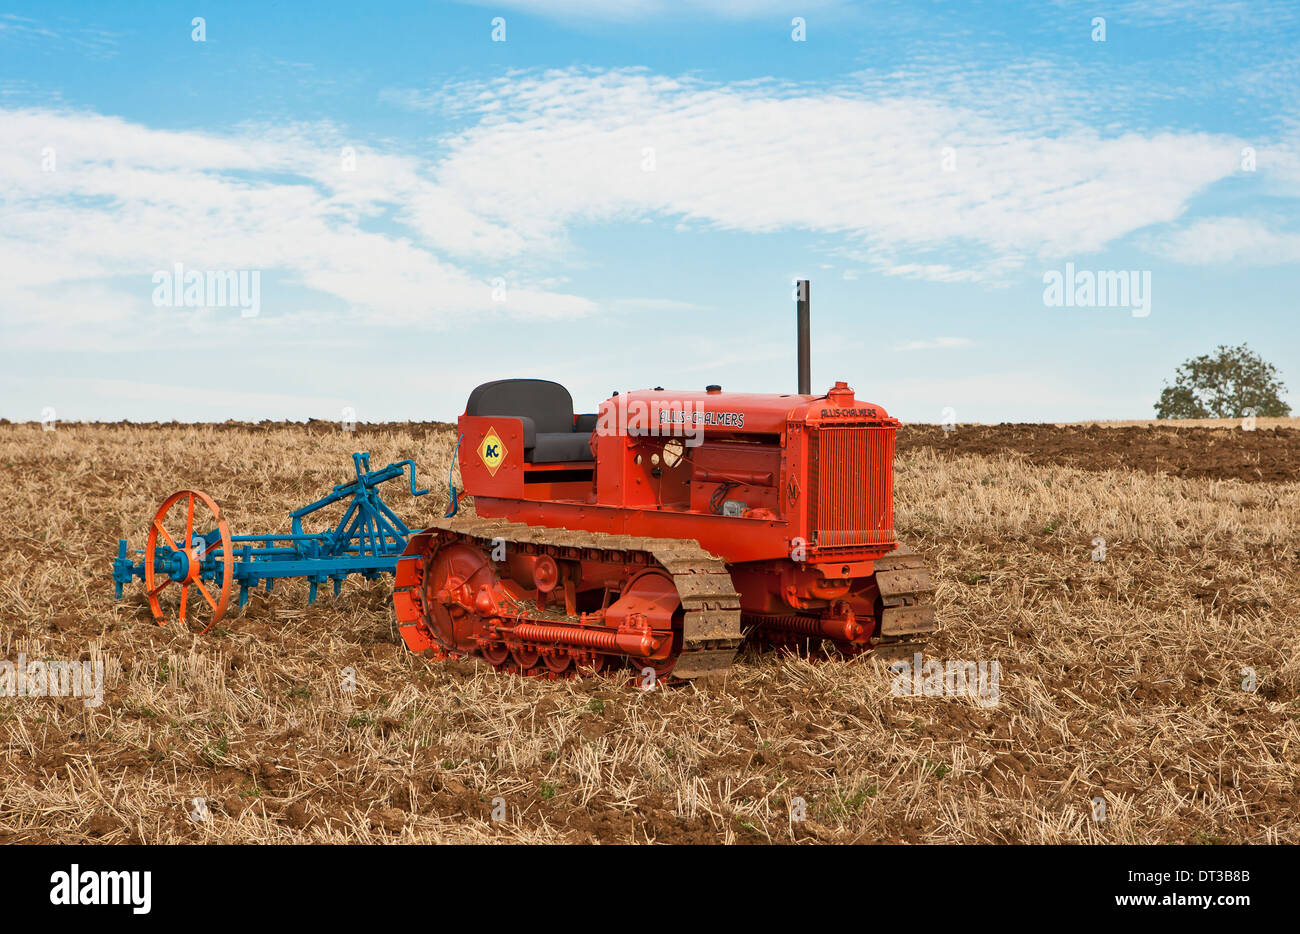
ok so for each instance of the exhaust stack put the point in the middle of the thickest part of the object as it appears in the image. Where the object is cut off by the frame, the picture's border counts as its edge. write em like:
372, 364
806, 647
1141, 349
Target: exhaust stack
802, 297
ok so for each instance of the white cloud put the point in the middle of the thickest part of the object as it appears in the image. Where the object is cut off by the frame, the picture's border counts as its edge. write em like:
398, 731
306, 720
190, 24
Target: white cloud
632, 10
96, 43
1207, 14
563, 149
1237, 240
411, 240
81, 243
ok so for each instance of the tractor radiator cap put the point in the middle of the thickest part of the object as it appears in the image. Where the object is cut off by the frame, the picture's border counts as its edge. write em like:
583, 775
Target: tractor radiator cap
713, 387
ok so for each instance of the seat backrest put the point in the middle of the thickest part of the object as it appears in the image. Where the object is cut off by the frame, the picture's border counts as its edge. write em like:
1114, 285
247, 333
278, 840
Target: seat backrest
548, 404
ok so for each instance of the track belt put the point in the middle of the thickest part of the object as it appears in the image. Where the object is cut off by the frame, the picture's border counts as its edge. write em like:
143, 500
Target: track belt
907, 594
711, 627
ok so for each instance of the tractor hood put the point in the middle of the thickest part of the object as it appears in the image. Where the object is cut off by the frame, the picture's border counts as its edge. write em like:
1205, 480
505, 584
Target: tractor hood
650, 411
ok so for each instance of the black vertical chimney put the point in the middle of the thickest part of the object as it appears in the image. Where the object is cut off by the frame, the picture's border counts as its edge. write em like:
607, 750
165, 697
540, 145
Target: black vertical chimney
801, 303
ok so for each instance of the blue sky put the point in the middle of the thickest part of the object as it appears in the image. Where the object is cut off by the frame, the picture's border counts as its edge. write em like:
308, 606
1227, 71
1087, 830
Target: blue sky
619, 194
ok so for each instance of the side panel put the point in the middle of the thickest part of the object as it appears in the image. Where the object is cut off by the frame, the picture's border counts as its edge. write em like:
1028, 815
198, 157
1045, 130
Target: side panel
733, 539
614, 477
492, 455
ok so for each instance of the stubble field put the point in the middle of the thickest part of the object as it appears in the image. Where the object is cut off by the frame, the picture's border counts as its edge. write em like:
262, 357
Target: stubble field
1121, 680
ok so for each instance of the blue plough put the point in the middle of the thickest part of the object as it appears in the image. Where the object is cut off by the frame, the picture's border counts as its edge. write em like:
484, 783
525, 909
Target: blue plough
367, 540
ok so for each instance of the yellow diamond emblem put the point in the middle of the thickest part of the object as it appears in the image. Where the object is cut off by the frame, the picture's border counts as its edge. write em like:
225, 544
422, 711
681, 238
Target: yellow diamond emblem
492, 451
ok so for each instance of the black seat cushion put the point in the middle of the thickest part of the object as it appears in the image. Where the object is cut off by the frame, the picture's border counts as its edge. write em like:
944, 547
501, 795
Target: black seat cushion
548, 404
547, 410
554, 447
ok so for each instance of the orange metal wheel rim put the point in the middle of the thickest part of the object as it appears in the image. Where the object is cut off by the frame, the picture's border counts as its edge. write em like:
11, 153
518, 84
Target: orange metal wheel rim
189, 612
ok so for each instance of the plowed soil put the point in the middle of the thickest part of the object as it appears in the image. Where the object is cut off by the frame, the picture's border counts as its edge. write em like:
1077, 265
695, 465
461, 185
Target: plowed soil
1136, 587
1261, 455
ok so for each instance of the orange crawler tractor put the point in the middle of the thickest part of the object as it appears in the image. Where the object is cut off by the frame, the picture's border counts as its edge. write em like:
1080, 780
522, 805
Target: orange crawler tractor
664, 530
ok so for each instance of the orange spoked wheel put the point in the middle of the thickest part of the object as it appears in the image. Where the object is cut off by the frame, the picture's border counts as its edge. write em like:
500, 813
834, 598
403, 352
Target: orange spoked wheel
557, 661
184, 559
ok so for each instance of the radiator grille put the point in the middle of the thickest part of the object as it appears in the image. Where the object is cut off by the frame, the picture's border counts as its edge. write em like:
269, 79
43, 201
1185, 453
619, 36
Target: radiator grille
852, 501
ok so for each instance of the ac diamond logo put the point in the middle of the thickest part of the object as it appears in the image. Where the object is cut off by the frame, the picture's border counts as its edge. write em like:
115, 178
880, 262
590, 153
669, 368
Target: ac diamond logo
492, 451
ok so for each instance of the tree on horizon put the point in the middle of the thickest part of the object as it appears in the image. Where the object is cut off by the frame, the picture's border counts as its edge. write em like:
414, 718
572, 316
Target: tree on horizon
1224, 385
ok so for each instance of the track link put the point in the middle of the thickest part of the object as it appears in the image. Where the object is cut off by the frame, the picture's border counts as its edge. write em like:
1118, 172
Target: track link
903, 622
907, 594
711, 632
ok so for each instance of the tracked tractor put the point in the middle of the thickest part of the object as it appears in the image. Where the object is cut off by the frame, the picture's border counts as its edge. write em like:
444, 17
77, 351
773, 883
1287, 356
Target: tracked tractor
663, 530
